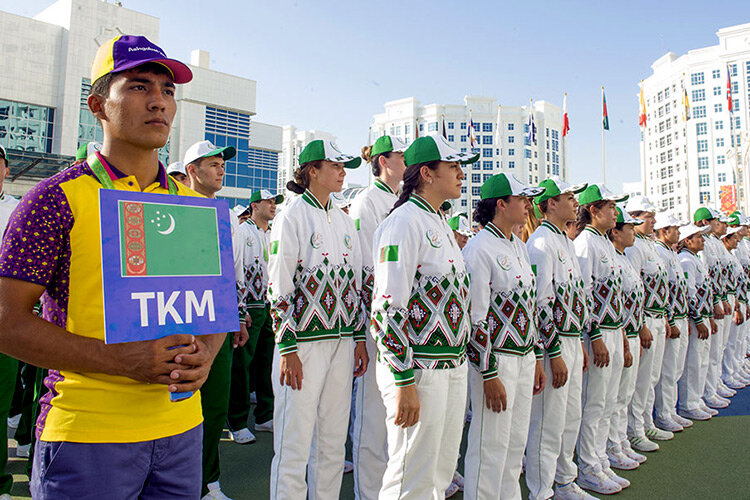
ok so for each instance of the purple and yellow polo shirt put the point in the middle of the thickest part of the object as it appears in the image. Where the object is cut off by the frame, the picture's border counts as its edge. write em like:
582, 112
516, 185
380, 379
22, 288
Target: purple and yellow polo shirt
53, 240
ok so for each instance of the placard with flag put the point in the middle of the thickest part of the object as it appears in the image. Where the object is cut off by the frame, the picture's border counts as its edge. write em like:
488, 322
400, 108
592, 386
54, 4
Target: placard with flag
167, 266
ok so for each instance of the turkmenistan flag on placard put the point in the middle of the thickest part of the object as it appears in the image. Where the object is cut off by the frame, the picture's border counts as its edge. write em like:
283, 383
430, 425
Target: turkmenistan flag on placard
168, 240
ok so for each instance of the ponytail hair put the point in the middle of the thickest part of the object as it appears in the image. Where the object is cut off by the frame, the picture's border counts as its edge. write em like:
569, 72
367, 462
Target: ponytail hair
302, 177
412, 181
532, 221
374, 161
584, 218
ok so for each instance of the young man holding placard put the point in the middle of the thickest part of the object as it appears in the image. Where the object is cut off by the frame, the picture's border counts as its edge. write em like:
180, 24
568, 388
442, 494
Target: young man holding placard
108, 409
204, 165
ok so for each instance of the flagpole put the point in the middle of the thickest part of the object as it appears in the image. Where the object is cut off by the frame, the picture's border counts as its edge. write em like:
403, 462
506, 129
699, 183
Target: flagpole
604, 168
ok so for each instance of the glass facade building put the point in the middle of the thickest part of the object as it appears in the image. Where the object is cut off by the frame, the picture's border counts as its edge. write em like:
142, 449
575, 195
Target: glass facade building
27, 127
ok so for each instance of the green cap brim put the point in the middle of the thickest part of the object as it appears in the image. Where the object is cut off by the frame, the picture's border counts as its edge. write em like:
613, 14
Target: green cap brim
227, 153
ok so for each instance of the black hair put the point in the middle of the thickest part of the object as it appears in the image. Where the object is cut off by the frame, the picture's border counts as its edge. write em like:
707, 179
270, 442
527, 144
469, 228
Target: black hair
618, 226
302, 177
412, 181
486, 209
584, 218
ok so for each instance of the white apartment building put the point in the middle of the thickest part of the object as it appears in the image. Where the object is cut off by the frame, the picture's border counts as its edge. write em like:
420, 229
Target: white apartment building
501, 133
44, 84
694, 162
293, 142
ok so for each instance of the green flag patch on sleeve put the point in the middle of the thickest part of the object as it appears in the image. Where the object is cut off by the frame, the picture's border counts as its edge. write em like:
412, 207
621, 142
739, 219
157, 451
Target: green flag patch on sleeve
274, 247
389, 253
356, 224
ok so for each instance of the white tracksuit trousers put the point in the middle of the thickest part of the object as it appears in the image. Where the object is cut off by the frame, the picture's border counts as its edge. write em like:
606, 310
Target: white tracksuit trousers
310, 424
554, 426
598, 401
497, 440
675, 352
369, 440
422, 458
715, 354
690, 385
649, 370
618, 430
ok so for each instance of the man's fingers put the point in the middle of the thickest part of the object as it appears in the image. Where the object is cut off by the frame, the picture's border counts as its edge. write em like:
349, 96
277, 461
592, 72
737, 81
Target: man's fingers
176, 340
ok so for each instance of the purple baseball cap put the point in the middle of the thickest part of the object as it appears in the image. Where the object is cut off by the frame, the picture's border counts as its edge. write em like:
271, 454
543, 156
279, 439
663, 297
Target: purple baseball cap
127, 51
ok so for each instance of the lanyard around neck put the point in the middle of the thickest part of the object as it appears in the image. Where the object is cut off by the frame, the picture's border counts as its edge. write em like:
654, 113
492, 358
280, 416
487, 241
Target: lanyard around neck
106, 181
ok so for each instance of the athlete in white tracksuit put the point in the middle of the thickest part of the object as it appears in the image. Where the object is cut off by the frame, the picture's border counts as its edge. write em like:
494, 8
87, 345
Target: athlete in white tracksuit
736, 297
502, 345
561, 312
700, 313
314, 283
420, 318
369, 208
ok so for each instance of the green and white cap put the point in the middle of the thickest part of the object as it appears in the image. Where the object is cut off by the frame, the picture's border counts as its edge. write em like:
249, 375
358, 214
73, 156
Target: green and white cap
319, 149
705, 213
735, 218
664, 220
204, 149
597, 192
688, 230
625, 218
554, 186
239, 210
4, 154
507, 185
264, 194
435, 148
460, 224
386, 144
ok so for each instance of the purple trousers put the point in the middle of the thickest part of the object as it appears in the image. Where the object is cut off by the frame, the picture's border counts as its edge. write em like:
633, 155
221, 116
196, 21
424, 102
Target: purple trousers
167, 468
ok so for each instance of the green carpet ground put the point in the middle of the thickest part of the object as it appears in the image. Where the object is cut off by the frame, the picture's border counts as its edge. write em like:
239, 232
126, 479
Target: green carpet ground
709, 461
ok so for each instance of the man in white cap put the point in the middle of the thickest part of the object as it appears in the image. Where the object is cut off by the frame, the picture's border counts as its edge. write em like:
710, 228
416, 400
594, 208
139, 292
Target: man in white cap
716, 257
204, 164
735, 278
646, 261
253, 361
675, 350
241, 212
178, 173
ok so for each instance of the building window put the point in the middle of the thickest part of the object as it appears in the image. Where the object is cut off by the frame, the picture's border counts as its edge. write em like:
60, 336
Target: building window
716, 74
717, 90
463, 189
432, 127
699, 95
511, 139
696, 78
476, 166
486, 127
701, 128
511, 126
487, 152
722, 177
699, 112
476, 190
733, 70
704, 197
252, 168
487, 139
487, 165
451, 125
703, 180
528, 153
511, 164
451, 138
463, 125
421, 127
719, 142
719, 125
487, 177
511, 151
702, 145
463, 202
463, 138
702, 162
717, 107
721, 160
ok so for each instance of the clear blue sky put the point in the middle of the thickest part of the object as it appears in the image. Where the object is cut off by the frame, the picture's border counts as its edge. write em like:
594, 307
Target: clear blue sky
331, 65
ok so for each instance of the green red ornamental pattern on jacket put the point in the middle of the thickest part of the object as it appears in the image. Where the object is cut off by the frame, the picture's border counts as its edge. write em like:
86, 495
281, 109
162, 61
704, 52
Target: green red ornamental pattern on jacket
566, 314
256, 291
632, 302
435, 323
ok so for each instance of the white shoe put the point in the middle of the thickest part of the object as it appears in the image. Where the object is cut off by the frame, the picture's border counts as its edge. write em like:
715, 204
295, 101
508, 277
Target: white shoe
716, 403
724, 386
668, 425
698, 414
642, 443
13, 421
708, 410
214, 492
264, 427
242, 436
348, 466
724, 392
684, 422
452, 490
735, 384
631, 454
619, 460
598, 482
23, 450
458, 479
659, 435
571, 491
621, 481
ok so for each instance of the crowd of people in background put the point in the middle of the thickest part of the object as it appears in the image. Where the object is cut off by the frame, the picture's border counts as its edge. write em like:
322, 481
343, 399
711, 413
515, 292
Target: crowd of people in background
571, 329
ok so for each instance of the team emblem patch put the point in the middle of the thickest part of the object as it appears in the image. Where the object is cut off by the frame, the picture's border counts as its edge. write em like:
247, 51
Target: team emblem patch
433, 238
